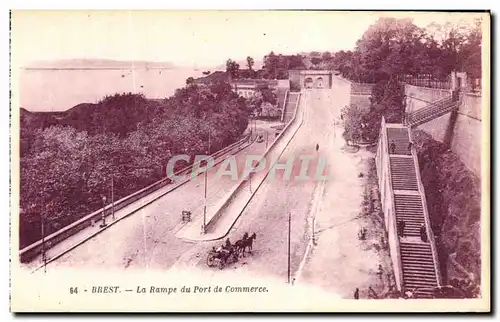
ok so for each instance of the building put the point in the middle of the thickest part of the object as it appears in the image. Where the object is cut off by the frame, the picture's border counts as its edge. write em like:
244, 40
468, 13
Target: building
248, 87
310, 79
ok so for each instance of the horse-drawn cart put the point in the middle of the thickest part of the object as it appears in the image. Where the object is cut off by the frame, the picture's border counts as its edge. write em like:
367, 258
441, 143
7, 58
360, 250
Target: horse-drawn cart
221, 257
227, 254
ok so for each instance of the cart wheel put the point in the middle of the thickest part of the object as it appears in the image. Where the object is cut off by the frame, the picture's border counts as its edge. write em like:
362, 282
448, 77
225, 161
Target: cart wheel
210, 260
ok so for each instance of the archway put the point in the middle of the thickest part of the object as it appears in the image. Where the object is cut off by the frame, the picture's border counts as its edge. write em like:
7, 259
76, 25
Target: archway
308, 83
319, 82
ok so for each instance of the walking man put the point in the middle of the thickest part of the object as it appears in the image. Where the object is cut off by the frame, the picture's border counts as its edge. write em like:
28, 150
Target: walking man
401, 228
356, 294
392, 147
423, 233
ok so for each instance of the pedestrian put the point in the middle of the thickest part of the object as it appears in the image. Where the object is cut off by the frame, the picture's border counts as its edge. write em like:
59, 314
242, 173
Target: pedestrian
393, 147
401, 228
317, 147
356, 294
423, 233
410, 144
380, 272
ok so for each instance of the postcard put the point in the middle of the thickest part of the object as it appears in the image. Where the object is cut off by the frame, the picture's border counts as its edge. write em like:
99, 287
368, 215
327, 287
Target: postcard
250, 161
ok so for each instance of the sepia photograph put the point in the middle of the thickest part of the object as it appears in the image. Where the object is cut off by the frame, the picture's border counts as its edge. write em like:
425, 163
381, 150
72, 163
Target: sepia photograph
250, 161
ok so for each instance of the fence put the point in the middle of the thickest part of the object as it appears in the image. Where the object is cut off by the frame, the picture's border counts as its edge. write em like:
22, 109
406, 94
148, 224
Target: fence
430, 81
473, 85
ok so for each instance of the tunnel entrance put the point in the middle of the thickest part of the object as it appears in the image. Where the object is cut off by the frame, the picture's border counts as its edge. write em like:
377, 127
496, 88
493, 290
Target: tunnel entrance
319, 82
308, 83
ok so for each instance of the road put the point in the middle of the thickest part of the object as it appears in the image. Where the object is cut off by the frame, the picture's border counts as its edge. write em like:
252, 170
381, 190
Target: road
147, 239
267, 212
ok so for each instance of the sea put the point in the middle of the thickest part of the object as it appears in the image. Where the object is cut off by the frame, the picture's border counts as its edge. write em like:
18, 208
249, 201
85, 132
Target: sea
60, 89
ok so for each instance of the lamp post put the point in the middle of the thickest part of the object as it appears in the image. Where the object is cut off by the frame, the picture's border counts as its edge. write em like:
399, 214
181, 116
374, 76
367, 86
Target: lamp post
289, 244
204, 228
103, 224
44, 252
113, 195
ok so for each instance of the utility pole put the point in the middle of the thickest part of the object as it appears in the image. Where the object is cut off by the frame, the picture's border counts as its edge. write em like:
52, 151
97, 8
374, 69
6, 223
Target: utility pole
103, 224
289, 234
44, 254
113, 195
204, 229
313, 231
267, 138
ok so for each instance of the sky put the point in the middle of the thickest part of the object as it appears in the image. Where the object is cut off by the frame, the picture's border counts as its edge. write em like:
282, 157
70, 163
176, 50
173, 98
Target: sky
191, 38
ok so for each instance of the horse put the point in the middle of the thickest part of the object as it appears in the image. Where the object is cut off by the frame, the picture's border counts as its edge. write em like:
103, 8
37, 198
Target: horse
243, 244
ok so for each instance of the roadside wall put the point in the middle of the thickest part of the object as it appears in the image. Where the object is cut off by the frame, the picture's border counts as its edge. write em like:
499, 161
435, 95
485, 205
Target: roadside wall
341, 90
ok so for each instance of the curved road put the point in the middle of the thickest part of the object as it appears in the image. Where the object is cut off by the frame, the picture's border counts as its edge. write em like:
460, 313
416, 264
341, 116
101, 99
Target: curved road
147, 239
267, 212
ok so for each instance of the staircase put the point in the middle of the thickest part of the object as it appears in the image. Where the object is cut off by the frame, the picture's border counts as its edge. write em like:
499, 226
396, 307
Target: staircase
418, 273
409, 209
419, 266
403, 173
290, 106
432, 111
281, 94
400, 137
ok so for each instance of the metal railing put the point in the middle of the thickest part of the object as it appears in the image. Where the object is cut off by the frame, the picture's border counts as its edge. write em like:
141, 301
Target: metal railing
430, 110
429, 81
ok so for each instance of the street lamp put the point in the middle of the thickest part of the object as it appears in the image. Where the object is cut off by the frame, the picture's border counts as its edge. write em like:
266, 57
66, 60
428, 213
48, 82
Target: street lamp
44, 251
204, 227
103, 214
113, 195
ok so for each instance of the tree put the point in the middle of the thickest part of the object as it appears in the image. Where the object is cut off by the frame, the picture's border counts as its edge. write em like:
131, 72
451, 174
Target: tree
189, 80
269, 110
232, 68
316, 60
327, 56
271, 65
250, 62
353, 119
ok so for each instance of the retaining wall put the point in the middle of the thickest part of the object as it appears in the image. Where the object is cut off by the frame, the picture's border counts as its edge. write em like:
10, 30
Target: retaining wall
234, 193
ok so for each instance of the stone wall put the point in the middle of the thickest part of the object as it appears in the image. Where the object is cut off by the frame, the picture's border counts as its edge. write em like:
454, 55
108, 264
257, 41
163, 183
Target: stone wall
362, 101
341, 90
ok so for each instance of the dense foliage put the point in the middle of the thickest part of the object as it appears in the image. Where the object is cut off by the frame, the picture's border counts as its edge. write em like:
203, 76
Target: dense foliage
398, 47
454, 200
394, 47
274, 67
68, 159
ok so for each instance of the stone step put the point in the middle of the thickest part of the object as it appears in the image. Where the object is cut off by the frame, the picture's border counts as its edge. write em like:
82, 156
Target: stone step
426, 278
415, 252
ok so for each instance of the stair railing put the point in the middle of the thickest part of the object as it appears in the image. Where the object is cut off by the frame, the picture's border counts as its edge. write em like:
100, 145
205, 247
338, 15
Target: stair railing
430, 233
429, 108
